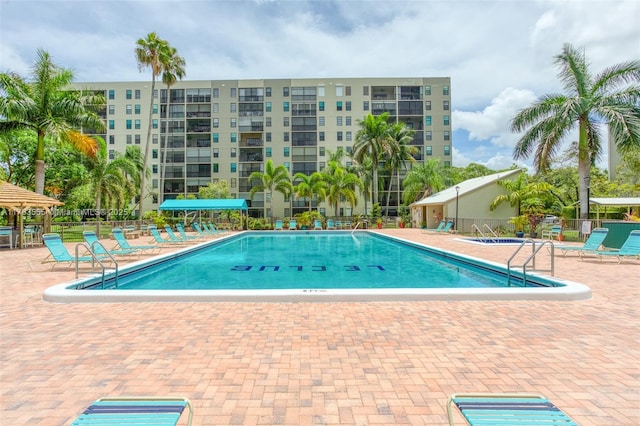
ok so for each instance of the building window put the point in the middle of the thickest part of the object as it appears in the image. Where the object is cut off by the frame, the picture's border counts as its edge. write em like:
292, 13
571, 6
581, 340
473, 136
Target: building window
233, 123
445, 120
287, 166
154, 108
233, 168
216, 152
321, 151
216, 167
365, 105
268, 136
348, 135
216, 137
267, 122
339, 90
267, 107
129, 94
232, 92
137, 139
112, 139
321, 121
429, 150
234, 137
129, 124
155, 93
285, 106
154, 123
348, 122
112, 109
447, 136
137, 93
137, 124
445, 90
427, 120
447, 163
216, 108
339, 121
267, 92
347, 90
428, 135
268, 152
347, 105
285, 121
128, 109
216, 122
154, 183
233, 107
154, 139
427, 90
365, 90
285, 92
112, 124
286, 151
129, 139
447, 150
112, 154
338, 105
445, 105
154, 168
321, 136
234, 152
427, 105
339, 136
285, 136
112, 94
321, 105
137, 109
216, 92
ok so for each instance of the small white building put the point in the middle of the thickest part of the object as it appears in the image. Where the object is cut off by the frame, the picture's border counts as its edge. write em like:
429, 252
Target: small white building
470, 198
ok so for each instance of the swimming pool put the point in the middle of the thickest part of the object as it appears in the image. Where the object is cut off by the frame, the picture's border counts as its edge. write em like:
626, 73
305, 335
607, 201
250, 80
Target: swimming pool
267, 266
491, 240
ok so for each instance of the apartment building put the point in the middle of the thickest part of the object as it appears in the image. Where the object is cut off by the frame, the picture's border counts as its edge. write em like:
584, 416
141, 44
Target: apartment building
227, 129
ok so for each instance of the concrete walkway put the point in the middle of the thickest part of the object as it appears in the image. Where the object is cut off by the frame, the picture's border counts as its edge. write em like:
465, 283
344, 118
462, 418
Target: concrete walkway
321, 363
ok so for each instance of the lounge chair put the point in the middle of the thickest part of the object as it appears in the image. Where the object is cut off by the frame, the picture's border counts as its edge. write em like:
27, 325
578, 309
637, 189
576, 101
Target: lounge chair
123, 243
630, 249
330, 224
58, 253
439, 228
506, 409
293, 225
338, 224
135, 410
98, 248
213, 229
159, 240
593, 242
317, 225
552, 232
184, 235
347, 224
445, 229
171, 236
278, 226
205, 233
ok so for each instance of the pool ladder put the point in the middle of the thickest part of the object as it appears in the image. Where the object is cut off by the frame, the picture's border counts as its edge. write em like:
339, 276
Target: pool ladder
531, 259
95, 259
495, 237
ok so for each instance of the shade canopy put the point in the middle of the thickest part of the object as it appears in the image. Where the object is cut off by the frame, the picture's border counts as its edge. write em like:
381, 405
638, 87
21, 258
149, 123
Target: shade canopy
620, 201
18, 199
205, 204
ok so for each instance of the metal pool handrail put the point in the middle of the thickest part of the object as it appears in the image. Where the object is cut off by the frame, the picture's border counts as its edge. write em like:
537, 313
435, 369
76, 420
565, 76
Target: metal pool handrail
95, 258
531, 258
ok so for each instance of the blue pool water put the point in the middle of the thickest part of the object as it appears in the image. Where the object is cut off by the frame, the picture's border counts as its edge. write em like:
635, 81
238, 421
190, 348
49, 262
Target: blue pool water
312, 260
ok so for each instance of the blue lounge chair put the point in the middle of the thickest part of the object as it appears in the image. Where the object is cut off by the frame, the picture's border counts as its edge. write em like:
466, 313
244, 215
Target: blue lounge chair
338, 224
507, 409
123, 243
171, 236
552, 232
278, 226
593, 242
317, 225
159, 240
58, 253
330, 224
439, 228
293, 225
98, 248
135, 411
213, 229
630, 249
184, 235
205, 233
445, 229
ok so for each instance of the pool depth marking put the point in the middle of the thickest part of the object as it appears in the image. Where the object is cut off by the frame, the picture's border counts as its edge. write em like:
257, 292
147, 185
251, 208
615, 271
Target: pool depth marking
301, 268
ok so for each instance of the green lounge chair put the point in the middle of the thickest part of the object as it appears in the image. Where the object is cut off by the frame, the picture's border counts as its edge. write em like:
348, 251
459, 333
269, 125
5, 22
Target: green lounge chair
439, 228
171, 236
630, 248
184, 235
58, 253
445, 229
204, 233
507, 409
123, 243
593, 243
96, 246
159, 240
213, 229
135, 411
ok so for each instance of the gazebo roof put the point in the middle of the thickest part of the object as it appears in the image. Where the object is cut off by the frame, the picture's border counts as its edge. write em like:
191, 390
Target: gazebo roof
15, 198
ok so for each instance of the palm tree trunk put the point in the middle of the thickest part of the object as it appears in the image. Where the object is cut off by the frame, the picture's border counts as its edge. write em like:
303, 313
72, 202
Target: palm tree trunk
584, 172
40, 164
98, 202
147, 147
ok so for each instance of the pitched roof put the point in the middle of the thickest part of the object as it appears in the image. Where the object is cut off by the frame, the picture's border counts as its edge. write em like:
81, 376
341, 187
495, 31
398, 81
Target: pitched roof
205, 204
465, 187
15, 198
620, 201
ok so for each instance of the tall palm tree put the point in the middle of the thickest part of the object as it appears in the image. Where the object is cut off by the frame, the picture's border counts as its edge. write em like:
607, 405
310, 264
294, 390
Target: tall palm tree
109, 178
158, 55
520, 191
341, 185
401, 154
373, 140
363, 169
423, 180
611, 97
309, 186
273, 179
46, 106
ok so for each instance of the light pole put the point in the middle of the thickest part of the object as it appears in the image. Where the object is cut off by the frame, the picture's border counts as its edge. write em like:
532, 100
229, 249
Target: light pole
457, 198
587, 180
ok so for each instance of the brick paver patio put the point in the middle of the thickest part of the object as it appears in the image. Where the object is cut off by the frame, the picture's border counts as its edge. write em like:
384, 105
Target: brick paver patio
321, 363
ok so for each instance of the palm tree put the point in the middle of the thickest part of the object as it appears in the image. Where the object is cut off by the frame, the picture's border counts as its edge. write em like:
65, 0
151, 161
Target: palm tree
157, 54
46, 106
401, 153
373, 140
109, 178
309, 186
611, 97
341, 185
521, 191
363, 169
423, 180
273, 179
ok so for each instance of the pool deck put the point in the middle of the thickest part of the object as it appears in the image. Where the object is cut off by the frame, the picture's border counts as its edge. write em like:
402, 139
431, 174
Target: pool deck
375, 363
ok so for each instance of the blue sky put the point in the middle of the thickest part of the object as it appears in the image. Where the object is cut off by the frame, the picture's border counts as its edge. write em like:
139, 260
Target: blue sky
498, 53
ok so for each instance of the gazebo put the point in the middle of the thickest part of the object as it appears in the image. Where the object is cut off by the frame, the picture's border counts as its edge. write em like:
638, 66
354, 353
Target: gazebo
17, 200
